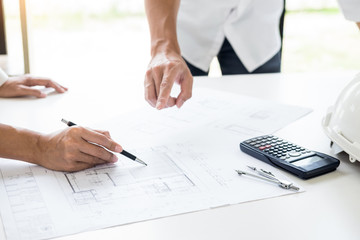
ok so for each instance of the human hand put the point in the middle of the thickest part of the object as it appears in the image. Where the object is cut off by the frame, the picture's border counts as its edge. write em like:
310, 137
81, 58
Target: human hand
163, 71
72, 149
22, 86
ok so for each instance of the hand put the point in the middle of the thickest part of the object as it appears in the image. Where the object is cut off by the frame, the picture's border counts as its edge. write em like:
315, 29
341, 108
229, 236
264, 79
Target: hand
72, 149
163, 71
21, 86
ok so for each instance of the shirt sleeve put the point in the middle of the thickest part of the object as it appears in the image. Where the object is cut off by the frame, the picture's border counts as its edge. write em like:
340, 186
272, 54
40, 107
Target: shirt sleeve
350, 9
3, 77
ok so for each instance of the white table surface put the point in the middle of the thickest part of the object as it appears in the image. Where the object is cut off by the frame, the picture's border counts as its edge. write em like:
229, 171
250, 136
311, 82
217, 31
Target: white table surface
329, 209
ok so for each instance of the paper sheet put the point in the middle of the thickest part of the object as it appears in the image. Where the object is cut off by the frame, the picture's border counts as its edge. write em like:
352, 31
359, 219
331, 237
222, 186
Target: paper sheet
191, 155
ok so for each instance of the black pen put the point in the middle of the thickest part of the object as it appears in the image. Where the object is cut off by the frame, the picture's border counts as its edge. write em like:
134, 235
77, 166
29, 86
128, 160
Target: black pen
125, 153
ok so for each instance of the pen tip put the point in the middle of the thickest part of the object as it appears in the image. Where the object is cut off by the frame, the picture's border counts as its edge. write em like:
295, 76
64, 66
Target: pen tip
140, 161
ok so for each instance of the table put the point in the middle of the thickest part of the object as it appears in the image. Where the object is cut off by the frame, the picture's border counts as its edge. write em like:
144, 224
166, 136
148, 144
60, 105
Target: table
329, 209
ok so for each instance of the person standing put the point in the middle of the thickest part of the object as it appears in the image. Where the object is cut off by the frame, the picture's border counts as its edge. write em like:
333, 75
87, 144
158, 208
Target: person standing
186, 35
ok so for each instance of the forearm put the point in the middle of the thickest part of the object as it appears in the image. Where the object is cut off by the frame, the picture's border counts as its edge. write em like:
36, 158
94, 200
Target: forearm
358, 23
162, 17
20, 144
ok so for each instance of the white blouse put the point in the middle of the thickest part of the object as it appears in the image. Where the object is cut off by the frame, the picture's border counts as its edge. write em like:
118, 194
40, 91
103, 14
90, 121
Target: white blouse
251, 27
350, 9
3, 77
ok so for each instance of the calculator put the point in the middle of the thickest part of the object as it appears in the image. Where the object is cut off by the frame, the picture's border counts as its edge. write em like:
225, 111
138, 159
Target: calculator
288, 156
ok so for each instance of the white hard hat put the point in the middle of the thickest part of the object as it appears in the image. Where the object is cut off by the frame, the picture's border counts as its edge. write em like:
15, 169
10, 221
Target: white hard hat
342, 121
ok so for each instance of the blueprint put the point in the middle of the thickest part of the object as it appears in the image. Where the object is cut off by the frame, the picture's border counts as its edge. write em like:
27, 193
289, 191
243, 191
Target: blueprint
191, 155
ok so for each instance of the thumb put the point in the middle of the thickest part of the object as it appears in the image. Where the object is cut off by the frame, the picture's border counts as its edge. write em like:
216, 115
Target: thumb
28, 91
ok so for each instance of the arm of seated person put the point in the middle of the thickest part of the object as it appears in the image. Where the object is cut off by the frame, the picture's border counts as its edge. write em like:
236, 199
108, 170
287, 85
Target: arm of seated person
68, 150
23, 86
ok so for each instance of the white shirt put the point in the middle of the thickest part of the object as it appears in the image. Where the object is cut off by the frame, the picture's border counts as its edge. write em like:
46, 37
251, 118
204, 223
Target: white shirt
251, 27
350, 9
3, 77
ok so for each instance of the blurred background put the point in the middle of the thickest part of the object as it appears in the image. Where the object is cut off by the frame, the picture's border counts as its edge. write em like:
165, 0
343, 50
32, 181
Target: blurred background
110, 39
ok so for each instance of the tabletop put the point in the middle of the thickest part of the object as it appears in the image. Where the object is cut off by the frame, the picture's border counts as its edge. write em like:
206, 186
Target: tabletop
328, 209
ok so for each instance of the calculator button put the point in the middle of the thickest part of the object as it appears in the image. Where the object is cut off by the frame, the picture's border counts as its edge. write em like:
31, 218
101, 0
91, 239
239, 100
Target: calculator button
294, 154
262, 147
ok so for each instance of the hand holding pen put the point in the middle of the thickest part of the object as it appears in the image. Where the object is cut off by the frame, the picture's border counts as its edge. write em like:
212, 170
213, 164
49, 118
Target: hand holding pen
72, 149
109, 146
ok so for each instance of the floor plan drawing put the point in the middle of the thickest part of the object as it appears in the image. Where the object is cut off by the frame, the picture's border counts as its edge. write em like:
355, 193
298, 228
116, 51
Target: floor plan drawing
191, 156
109, 183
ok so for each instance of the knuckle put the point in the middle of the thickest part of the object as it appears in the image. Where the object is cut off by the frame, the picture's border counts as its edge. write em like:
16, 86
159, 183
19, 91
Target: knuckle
148, 84
70, 135
75, 130
157, 68
27, 79
189, 95
164, 84
170, 64
148, 74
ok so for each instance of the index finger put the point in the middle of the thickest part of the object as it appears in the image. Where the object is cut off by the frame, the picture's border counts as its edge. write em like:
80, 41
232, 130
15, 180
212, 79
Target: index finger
101, 139
186, 90
165, 90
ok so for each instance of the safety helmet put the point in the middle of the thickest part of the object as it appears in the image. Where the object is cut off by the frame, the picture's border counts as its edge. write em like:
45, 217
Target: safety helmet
342, 121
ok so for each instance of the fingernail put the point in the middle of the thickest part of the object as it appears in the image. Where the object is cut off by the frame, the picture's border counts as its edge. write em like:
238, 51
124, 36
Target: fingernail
42, 95
181, 102
118, 149
114, 158
158, 105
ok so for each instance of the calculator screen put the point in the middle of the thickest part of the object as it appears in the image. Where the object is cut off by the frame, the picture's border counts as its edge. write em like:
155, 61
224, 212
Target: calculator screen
307, 161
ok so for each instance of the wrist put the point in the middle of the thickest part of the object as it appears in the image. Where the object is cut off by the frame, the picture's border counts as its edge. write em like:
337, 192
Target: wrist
162, 46
39, 149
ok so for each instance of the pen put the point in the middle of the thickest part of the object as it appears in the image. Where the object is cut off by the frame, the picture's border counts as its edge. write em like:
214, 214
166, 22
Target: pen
125, 153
